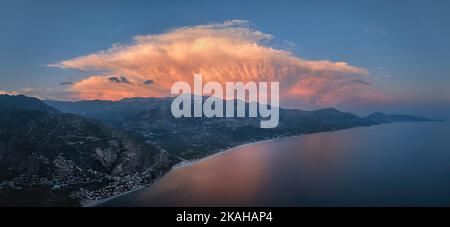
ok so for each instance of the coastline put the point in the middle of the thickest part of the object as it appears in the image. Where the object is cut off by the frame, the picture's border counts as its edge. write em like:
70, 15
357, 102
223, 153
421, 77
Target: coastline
99, 202
283, 155
187, 163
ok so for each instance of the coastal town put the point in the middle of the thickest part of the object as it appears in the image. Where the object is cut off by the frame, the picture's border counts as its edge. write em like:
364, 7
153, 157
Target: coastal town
88, 187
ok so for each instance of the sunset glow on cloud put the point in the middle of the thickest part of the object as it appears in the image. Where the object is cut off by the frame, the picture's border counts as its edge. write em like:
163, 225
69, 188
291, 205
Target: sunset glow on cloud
229, 51
8, 92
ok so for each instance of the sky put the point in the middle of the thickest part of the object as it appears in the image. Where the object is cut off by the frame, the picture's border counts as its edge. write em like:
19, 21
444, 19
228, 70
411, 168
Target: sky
357, 55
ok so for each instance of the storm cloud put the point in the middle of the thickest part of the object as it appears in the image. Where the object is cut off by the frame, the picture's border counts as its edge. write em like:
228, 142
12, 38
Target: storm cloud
223, 52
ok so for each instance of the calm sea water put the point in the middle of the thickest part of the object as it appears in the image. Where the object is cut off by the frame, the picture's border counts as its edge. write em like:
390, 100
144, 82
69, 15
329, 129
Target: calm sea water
401, 164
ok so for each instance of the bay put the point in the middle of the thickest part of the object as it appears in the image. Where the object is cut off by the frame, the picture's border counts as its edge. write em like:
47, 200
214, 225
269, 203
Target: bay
399, 164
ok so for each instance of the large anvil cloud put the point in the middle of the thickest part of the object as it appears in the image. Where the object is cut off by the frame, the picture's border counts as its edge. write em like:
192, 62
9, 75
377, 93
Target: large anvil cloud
223, 52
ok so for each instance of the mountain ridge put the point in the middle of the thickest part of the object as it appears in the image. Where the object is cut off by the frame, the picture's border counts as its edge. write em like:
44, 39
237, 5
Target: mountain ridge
196, 137
78, 159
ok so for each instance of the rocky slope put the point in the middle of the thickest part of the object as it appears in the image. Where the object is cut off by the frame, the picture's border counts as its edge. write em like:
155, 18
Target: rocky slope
44, 148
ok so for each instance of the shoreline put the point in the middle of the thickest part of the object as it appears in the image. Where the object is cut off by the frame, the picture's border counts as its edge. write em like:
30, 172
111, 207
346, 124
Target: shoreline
187, 163
99, 202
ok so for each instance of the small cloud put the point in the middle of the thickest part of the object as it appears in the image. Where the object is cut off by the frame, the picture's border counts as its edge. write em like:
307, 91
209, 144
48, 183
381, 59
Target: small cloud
114, 79
148, 82
375, 29
27, 90
119, 80
24, 91
363, 82
116, 30
66, 83
2, 92
124, 80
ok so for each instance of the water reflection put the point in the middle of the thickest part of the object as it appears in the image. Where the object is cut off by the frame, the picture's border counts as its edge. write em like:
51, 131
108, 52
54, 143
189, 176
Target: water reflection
396, 164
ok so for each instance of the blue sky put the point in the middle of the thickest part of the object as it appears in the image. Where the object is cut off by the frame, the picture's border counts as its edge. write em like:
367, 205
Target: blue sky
403, 44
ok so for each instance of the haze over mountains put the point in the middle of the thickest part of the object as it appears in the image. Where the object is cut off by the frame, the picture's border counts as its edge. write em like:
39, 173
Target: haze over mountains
151, 118
75, 153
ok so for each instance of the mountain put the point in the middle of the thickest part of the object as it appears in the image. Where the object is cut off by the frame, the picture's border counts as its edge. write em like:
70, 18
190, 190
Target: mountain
109, 110
151, 119
79, 160
10, 104
380, 118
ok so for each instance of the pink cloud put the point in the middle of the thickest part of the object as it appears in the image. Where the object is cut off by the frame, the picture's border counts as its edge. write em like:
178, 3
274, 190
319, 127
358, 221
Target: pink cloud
229, 51
2, 92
